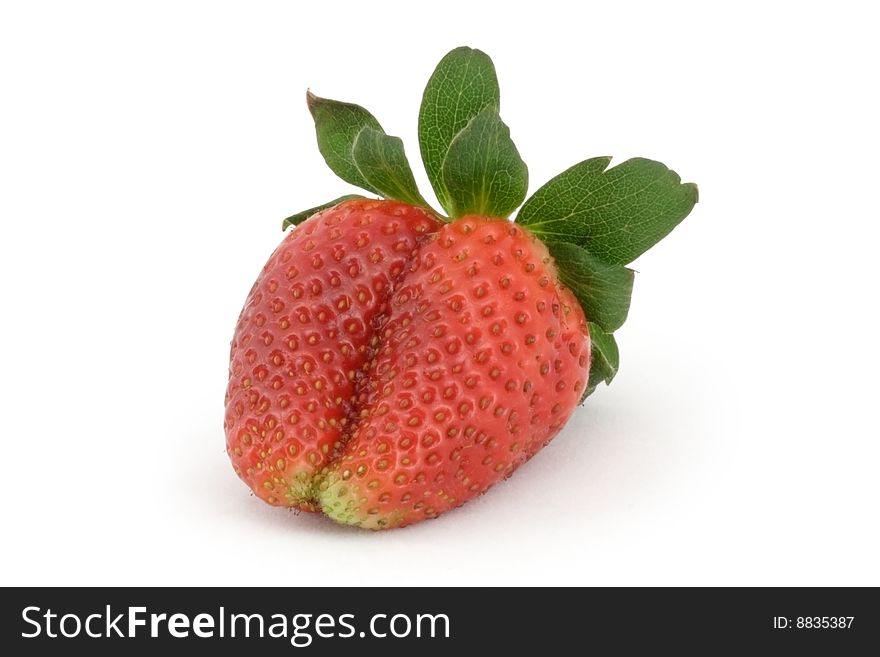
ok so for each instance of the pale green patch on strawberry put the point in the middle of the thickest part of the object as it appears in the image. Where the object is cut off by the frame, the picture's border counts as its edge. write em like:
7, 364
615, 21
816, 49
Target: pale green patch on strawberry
300, 484
345, 502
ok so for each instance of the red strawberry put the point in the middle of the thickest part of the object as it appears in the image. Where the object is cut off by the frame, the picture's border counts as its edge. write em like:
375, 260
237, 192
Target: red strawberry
390, 363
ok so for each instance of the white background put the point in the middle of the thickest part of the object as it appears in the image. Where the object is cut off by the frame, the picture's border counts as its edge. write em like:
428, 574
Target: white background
149, 151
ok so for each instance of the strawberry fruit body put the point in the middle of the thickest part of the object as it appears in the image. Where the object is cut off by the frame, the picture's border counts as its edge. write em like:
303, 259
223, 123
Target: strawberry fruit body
391, 363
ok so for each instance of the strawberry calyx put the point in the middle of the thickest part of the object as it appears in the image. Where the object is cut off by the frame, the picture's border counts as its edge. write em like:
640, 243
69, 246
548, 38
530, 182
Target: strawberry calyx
594, 219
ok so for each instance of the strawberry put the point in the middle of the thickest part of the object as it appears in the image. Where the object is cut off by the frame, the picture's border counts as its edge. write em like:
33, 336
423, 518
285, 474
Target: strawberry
392, 362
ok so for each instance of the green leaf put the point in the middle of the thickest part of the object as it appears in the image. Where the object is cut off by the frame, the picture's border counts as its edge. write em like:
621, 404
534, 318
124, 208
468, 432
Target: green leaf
603, 290
357, 149
337, 124
381, 161
483, 172
616, 214
299, 217
604, 358
463, 84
